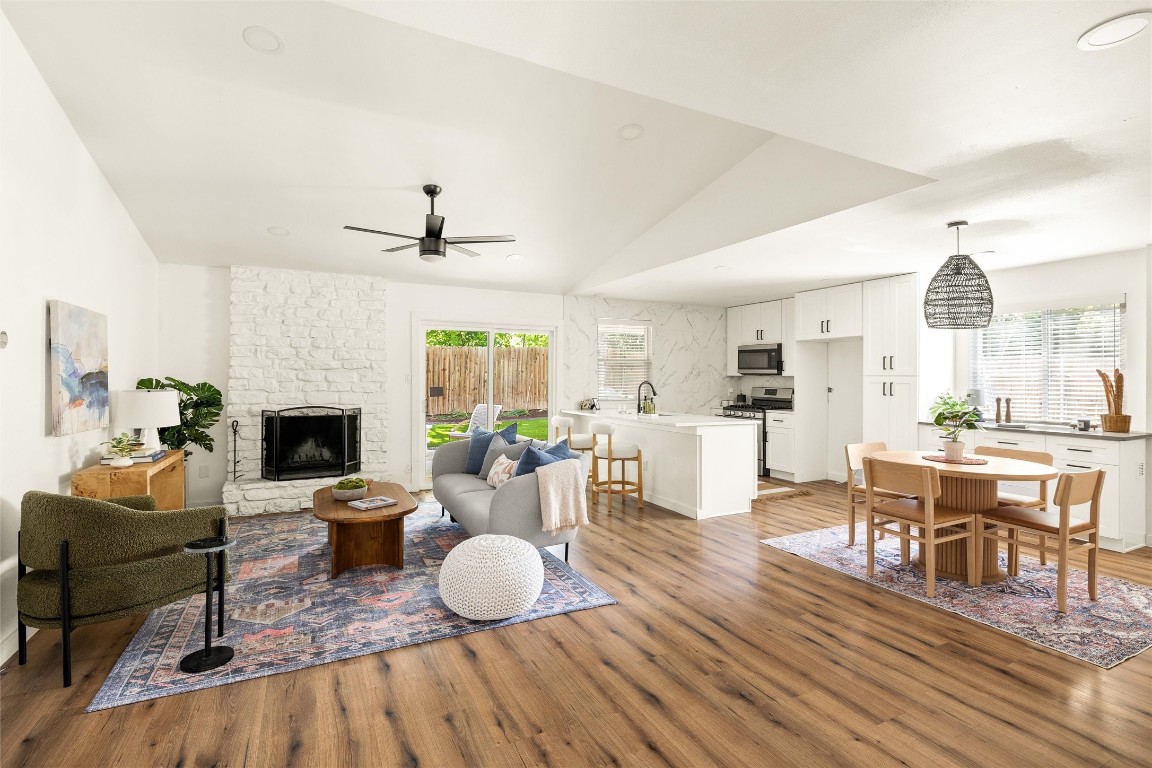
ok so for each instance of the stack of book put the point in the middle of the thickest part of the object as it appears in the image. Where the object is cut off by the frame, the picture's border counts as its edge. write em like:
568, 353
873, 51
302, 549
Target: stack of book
138, 457
372, 502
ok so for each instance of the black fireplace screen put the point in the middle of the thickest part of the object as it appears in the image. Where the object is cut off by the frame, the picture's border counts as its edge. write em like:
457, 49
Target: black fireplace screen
311, 441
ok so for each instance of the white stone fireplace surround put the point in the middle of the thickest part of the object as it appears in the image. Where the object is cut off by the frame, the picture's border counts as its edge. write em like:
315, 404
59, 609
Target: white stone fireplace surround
301, 338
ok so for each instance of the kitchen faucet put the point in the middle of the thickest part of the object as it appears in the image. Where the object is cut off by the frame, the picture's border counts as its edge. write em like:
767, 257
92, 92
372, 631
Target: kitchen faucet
639, 407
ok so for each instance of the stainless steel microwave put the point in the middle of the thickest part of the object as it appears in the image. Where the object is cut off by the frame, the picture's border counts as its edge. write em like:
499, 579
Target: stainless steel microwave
763, 359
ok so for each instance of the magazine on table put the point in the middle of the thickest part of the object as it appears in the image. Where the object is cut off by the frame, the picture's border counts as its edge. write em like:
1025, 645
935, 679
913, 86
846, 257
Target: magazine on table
372, 502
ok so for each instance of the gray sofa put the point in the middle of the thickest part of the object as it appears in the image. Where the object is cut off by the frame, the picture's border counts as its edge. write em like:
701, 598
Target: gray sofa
513, 509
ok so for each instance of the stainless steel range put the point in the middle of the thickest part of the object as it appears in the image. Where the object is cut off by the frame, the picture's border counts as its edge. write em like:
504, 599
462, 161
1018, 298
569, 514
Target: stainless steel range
763, 399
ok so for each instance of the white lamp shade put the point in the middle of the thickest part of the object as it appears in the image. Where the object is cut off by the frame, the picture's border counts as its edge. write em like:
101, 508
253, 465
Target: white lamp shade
147, 408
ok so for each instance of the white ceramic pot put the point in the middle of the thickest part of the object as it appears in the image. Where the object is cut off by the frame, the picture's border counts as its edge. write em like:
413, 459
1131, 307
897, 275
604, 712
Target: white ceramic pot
953, 450
120, 462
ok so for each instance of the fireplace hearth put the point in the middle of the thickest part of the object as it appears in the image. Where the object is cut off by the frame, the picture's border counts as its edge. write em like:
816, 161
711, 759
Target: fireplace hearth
310, 441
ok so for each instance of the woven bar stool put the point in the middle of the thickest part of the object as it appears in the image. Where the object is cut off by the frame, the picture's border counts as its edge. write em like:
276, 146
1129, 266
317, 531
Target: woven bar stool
612, 452
562, 427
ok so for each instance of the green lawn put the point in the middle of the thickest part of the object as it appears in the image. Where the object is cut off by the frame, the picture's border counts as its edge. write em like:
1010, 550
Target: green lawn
534, 428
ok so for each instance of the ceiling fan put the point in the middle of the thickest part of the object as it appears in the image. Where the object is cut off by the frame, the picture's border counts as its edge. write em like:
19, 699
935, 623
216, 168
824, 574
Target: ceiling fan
433, 246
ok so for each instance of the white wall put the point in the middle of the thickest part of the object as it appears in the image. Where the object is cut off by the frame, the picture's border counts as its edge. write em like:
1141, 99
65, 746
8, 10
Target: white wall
194, 348
688, 351
63, 235
412, 305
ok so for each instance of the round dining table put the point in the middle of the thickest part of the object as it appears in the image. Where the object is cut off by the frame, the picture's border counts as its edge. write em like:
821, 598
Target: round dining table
970, 488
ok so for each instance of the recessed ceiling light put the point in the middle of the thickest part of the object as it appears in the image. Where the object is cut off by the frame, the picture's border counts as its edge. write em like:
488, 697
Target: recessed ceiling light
514, 257
263, 40
723, 267
1114, 31
278, 231
630, 132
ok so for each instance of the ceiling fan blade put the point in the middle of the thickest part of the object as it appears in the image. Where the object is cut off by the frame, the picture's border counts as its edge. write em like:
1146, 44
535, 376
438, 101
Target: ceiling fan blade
378, 232
399, 248
462, 250
483, 239
433, 226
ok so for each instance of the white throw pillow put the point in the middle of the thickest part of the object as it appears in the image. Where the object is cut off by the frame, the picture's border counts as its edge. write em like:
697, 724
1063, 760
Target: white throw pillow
502, 470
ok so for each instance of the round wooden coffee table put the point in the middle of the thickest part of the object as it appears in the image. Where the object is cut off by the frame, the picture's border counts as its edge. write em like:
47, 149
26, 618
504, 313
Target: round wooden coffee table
365, 536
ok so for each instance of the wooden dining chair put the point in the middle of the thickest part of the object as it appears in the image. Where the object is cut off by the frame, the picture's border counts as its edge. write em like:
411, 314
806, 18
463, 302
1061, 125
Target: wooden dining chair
1005, 499
854, 454
922, 513
1072, 488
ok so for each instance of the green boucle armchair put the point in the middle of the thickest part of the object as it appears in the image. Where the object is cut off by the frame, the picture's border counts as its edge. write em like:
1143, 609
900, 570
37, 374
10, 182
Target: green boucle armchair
95, 561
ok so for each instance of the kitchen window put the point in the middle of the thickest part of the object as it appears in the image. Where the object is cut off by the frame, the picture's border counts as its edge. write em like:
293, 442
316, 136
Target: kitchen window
1046, 360
623, 358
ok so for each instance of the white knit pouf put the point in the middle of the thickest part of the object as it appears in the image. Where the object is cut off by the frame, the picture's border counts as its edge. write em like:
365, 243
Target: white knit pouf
491, 577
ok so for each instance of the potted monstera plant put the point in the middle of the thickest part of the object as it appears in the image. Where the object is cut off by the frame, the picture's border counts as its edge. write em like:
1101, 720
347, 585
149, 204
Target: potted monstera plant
952, 417
200, 408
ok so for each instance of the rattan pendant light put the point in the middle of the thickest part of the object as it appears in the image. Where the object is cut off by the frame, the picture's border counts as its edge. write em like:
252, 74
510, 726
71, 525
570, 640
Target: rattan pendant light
959, 295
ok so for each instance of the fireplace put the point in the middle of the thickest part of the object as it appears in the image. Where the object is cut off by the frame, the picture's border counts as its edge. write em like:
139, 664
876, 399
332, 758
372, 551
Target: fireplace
311, 441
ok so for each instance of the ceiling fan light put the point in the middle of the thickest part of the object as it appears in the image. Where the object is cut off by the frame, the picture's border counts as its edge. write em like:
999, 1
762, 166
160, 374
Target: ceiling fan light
958, 296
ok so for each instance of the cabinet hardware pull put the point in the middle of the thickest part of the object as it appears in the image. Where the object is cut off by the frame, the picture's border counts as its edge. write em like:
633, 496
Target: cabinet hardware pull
1006, 442
891, 389
821, 326
1079, 466
892, 362
829, 326
1081, 450
884, 362
883, 389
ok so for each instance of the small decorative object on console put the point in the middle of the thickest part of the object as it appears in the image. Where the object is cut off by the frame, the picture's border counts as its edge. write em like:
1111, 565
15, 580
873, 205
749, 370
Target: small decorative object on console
122, 448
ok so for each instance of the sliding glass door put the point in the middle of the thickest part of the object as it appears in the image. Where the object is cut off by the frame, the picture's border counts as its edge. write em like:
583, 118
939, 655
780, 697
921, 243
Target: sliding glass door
484, 378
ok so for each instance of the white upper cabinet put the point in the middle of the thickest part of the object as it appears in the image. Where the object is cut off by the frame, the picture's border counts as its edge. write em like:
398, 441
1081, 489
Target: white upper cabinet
891, 326
751, 324
788, 336
829, 313
732, 363
770, 328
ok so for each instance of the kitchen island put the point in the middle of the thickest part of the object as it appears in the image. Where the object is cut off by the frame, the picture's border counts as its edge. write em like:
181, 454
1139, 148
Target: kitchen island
698, 466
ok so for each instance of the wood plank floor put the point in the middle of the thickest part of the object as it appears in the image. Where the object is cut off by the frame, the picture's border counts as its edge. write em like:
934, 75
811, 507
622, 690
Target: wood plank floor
722, 652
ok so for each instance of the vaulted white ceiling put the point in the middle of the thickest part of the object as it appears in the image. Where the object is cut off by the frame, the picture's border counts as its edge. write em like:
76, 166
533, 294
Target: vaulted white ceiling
799, 142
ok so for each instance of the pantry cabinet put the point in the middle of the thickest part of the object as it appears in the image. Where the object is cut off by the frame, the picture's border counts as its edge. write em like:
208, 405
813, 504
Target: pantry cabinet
890, 412
891, 326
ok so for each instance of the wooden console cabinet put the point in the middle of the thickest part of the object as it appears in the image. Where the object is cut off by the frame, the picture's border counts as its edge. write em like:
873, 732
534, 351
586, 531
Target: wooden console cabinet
163, 479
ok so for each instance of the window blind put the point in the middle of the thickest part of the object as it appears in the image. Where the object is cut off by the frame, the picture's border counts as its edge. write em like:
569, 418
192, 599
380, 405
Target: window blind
1046, 360
623, 360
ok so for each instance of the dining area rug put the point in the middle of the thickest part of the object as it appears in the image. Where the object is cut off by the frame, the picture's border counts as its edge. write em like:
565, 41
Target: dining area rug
1105, 632
284, 612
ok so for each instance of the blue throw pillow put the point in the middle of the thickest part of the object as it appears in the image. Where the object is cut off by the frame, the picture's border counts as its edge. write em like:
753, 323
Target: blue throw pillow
477, 447
509, 433
532, 459
479, 443
561, 449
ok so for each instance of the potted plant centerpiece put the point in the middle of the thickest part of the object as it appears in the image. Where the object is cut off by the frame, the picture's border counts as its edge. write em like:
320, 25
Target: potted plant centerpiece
951, 417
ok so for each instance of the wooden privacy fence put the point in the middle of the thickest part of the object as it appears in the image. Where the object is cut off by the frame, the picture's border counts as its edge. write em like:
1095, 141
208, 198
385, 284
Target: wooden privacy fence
520, 378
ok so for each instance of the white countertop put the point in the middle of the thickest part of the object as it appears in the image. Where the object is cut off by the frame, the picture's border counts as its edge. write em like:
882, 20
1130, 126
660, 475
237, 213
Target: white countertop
664, 419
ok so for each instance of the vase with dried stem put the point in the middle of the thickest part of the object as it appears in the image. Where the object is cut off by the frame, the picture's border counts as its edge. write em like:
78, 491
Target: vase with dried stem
1115, 420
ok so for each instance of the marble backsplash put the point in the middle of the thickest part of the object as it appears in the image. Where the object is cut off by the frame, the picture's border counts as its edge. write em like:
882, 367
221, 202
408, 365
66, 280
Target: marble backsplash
688, 350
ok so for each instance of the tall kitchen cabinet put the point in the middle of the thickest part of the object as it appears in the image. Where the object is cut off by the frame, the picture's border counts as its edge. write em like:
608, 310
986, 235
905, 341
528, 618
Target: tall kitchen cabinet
891, 354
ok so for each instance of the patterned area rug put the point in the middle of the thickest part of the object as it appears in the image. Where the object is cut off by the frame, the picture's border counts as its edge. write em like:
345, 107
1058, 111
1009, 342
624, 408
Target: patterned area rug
284, 612
1115, 627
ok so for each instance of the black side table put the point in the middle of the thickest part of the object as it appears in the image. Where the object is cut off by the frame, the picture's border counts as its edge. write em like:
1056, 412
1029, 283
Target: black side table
210, 658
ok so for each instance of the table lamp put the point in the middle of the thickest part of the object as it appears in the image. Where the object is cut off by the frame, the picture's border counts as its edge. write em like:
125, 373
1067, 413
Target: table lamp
147, 410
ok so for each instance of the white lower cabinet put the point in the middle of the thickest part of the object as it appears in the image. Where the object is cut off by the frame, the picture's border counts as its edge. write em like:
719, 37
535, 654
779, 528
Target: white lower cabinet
779, 450
890, 412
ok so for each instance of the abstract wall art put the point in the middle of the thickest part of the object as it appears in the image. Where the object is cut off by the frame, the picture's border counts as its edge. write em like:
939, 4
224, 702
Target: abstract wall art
78, 390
